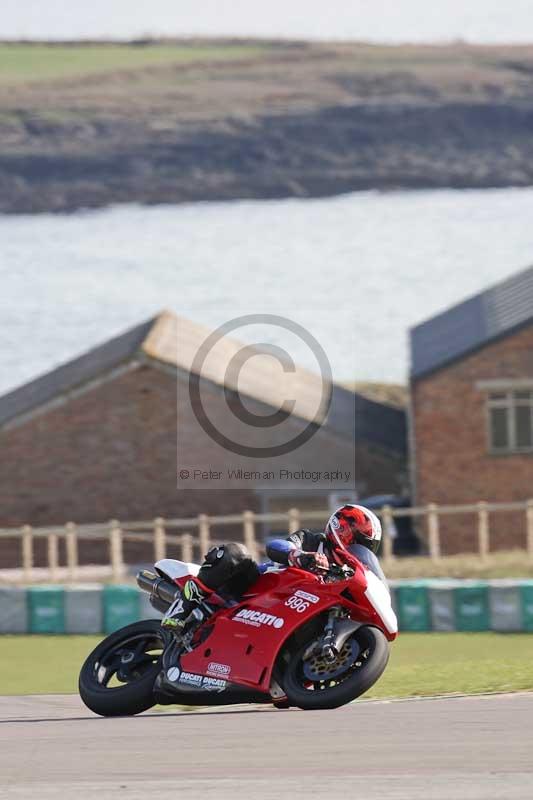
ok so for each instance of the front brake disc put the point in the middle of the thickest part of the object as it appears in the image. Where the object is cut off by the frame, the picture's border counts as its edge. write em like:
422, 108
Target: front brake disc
318, 668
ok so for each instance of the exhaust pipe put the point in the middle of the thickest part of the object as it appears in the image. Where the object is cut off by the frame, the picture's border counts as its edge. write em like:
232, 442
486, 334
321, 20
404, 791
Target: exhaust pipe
159, 589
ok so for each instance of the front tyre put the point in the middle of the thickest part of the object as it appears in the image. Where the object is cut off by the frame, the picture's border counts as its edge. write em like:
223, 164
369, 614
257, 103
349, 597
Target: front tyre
315, 683
117, 678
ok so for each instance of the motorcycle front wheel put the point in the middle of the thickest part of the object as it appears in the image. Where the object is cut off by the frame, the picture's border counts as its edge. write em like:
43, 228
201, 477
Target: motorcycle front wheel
117, 678
315, 683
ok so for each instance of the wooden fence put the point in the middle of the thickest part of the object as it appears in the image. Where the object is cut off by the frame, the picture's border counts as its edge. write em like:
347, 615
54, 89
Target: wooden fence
186, 536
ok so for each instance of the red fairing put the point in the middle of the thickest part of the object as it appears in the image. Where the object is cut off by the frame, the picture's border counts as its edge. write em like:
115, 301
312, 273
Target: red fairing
245, 640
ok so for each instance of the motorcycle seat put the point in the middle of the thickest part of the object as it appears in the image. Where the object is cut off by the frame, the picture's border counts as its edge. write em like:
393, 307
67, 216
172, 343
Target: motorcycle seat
173, 569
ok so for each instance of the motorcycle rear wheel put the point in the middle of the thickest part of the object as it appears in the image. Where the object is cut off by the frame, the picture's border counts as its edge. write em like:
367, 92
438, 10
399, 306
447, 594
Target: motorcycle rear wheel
359, 676
130, 658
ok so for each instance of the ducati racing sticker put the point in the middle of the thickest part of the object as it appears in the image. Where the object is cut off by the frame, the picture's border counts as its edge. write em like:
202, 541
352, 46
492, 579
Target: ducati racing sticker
200, 682
257, 618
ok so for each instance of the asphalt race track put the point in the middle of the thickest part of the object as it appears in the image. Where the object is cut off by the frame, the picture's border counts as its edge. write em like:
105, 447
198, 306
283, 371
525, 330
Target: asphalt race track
462, 748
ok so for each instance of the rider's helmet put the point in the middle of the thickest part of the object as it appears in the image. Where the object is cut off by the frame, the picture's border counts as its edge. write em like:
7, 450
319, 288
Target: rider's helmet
352, 524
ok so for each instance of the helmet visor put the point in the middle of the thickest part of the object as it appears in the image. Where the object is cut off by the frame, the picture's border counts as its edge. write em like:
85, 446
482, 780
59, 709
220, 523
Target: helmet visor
363, 541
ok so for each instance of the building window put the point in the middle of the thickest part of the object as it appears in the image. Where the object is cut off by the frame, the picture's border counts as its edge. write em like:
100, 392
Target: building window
510, 422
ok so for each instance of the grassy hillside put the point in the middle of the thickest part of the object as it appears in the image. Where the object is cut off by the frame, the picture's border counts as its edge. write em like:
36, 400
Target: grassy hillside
84, 125
24, 63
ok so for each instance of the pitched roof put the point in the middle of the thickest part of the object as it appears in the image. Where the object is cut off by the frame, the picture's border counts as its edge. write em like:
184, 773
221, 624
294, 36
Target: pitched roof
176, 341
390, 394
81, 370
173, 341
472, 324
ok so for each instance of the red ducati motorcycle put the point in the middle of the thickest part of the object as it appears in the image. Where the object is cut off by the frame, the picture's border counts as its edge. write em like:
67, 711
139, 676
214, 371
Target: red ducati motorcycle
294, 639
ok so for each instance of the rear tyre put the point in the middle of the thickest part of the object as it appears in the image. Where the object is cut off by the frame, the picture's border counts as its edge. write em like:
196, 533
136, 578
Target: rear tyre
117, 678
350, 677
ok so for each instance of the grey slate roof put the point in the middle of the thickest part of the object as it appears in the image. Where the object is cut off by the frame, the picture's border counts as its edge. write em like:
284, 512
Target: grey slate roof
472, 324
74, 373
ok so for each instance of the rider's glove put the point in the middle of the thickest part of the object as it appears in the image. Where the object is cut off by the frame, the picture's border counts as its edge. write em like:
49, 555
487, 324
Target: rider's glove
314, 562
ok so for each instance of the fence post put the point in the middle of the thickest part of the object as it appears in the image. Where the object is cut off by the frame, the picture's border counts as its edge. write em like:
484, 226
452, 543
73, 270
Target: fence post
115, 550
294, 520
433, 532
53, 556
204, 538
27, 552
529, 519
71, 546
386, 514
248, 528
483, 529
160, 539
186, 547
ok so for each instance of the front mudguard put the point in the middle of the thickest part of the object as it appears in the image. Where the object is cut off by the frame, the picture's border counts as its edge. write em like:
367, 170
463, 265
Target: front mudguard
344, 628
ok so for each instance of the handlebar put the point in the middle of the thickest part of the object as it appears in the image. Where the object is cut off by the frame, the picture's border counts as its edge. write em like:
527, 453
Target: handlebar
338, 572
333, 572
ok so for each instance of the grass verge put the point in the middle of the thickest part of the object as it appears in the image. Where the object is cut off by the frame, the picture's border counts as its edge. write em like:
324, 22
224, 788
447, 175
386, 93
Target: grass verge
422, 664
425, 664
504, 564
20, 63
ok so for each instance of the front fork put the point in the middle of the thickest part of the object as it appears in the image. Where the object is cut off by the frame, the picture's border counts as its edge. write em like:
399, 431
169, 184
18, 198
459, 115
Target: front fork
337, 630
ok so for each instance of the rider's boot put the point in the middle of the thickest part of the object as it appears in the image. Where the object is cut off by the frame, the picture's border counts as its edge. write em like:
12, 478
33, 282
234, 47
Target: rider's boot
180, 614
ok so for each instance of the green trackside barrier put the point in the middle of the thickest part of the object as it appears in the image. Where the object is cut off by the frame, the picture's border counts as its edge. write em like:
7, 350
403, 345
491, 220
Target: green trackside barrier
441, 603
526, 603
121, 606
505, 605
412, 601
393, 596
471, 604
46, 608
423, 605
13, 610
147, 611
83, 609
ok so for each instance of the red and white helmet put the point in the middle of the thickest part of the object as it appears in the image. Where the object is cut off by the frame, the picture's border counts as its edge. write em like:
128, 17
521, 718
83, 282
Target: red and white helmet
351, 524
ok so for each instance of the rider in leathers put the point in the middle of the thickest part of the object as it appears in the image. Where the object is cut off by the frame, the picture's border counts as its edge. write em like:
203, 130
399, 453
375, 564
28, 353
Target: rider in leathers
229, 570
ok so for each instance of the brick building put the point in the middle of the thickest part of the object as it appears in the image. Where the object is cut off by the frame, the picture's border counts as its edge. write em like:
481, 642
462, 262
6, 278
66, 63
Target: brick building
96, 438
472, 409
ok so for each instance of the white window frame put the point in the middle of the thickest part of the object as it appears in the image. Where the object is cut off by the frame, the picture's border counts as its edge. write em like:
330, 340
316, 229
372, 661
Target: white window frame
508, 400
